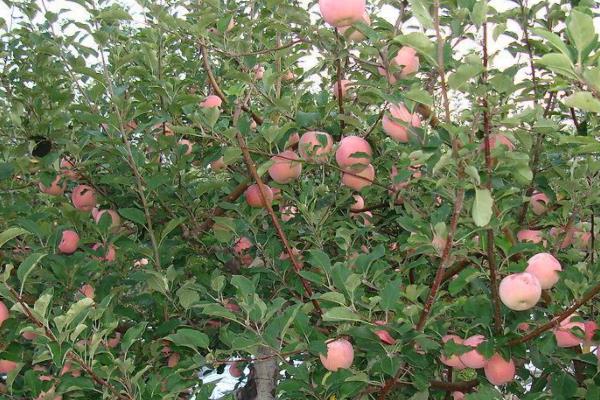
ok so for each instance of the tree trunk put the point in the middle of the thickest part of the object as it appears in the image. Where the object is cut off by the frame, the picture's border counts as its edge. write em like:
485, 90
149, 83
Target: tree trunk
266, 374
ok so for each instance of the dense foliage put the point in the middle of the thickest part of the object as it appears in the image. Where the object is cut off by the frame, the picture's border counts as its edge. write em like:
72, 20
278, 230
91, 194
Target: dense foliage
180, 273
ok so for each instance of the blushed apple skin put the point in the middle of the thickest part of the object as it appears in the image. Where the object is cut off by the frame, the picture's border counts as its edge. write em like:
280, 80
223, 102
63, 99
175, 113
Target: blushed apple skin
56, 188
546, 268
345, 84
498, 371
347, 157
454, 360
189, 146
110, 254
352, 34
395, 130
528, 235
254, 198
4, 313
286, 167
520, 291
473, 358
539, 202
242, 245
68, 242
212, 101
341, 13
359, 180
311, 149
84, 198
564, 336
340, 354
458, 395
6, 366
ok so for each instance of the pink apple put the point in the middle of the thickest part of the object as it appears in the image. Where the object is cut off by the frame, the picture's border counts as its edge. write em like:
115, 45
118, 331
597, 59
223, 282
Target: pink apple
473, 358
528, 235
340, 354
454, 360
189, 146
497, 140
292, 141
7, 366
173, 360
353, 154
396, 125
341, 13
590, 330
565, 337
110, 255
259, 72
545, 267
84, 198
69, 242
242, 245
56, 188
315, 146
288, 76
234, 370
4, 313
498, 371
114, 342
523, 327
218, 165
212, 101
351, 33
344, 85
114, 217
565, 239
67, 169
458, 395
406, 60
288, 213
359, 180
87, 290
538, 202
359, 203
254, 197
286, 167
28, 335
520, 291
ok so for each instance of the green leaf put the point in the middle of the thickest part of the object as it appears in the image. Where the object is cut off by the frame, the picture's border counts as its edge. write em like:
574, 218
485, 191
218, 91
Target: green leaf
563, 386
558, 63
76, 309
420, 9
341, 314
243, 284
463, 75
189, 338
10, 234
169, 227
334, 297
132, 335
580, 27
584, 101
231, 155
27, 266
40, 307
482, 207
479, 13
420, 43
554, 40
592, 77
133, 214
419, 95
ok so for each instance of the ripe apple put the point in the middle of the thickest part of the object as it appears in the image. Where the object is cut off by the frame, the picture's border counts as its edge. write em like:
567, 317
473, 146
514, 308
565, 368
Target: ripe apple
234, 370
242, 245
590, 330
566, 239
340, 354
4, 313
87, 290
189, 146
497, 140
565, 337
538, 202
28, 335
315, 146
341, 13
68, 242
498, 371
351, 33
456, 395
114, 217
56, 188
6, 366
173, 360
473, 358
218, 165
528, 235
359, 203
292, 141
454, 360
254, 197
405, 63
397, 125
110, 254
212, 101
520, 291
84, 198
288, 213
523, 327
545, 267
286, 167
353, 154
67, 169
345, 84
359, 180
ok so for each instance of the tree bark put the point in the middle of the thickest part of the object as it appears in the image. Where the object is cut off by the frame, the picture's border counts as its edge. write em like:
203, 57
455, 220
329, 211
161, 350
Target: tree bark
266, 374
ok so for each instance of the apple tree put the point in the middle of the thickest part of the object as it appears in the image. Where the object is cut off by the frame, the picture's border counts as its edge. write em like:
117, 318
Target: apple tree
331, 199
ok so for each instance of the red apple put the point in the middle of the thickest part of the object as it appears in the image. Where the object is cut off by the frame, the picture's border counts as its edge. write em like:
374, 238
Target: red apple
173, 360
520, 291
234, 370
242, 245
498, 371
56, 188
397, 125
473, 358
528, 235
254, 197
340, 354
212, 101
87, 290
7, 366
315, 146
4, 313
538, 202
84, 198
454, 360
110, 254
353, 154
114, 217
189, 146
341, 13
563, 333
286, 167
68, 242
359, 203
359, 180
545, 267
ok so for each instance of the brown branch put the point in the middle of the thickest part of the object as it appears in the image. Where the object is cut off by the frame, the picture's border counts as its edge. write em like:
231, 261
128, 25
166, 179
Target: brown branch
264, 51
558, 318
263, 193
219, 211
440, 58
217, 88
340, 98
461, 386
489, 163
